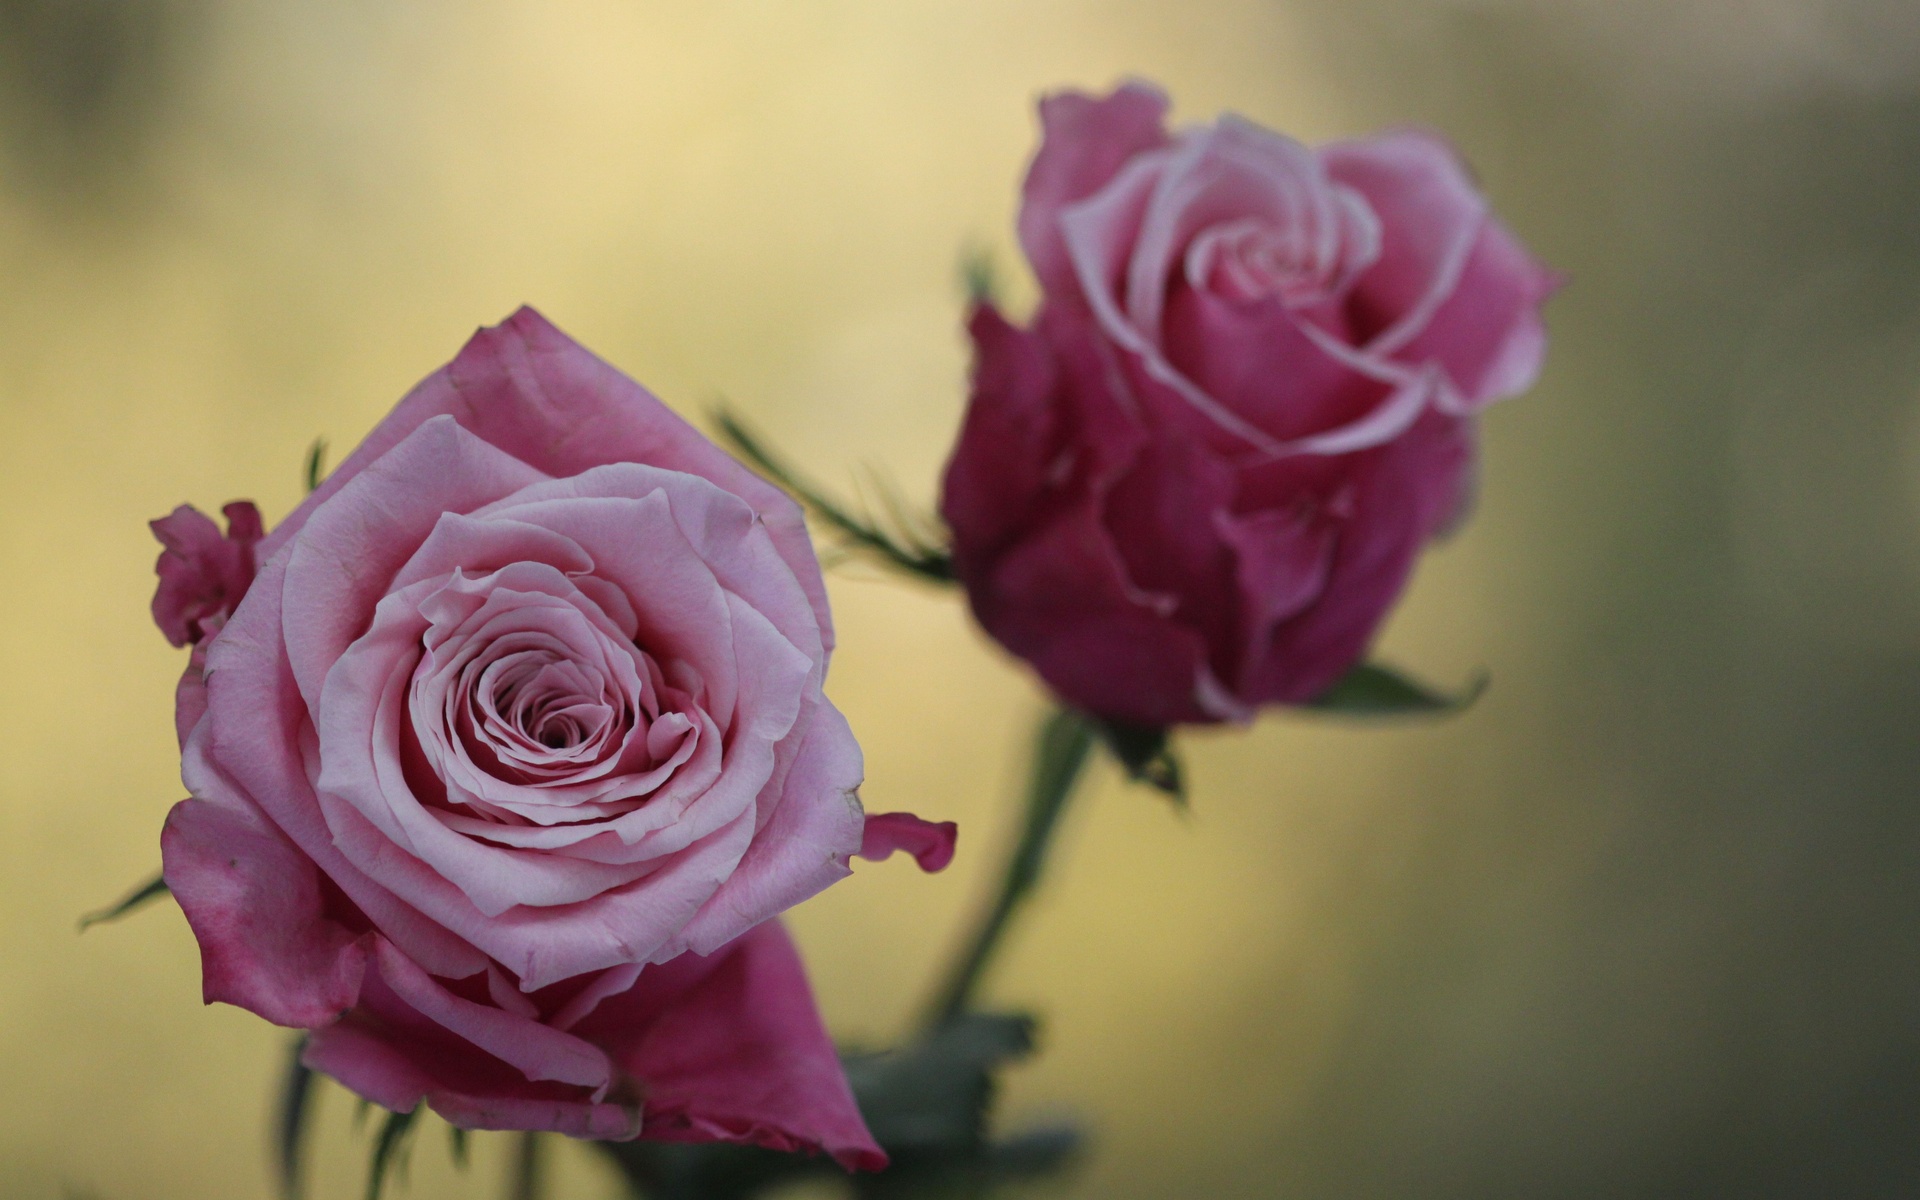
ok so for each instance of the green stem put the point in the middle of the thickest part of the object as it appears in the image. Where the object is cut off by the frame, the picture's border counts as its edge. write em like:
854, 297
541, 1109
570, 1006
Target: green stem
525, 1183
1059, 753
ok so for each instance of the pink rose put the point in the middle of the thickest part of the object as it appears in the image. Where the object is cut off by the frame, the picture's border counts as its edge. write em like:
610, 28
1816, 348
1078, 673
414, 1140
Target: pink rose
508, 755
1198, 481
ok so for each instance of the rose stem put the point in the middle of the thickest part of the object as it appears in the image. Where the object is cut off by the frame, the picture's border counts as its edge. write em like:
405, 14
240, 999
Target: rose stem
526, 1179
1059, 753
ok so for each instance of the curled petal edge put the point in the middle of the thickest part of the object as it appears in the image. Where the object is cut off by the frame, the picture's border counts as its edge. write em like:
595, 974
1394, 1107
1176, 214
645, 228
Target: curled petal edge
930, 842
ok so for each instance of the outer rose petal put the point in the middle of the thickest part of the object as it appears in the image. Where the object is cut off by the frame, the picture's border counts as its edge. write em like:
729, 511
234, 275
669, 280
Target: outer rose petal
727, 1047
1452, 285
396, 1055
535, 393
1160, 517
1009, 439
1398, 491
247, 751
1085, 141
803, 845
1489, 335
1061, 600
731, 1048
190, 695
254, 903
930, 842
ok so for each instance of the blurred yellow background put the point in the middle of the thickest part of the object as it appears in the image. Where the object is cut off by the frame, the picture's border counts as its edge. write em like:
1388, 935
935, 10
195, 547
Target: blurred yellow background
1640, 924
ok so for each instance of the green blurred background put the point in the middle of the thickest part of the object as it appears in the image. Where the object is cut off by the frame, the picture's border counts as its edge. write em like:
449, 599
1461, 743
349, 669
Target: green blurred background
1640, 924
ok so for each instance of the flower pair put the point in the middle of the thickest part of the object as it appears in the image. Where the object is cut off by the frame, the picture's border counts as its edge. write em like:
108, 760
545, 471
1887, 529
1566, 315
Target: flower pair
507, 746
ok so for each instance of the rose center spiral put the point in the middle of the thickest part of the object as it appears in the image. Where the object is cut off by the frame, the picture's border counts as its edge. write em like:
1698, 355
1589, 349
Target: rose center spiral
1252, 259
538, 708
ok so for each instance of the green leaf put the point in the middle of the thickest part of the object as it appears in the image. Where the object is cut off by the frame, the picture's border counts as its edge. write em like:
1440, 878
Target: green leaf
929, 1105
933, 1096
908, 547
386, 1151
1147, 754
1373, 690
296, 1093
152, 889
316, 464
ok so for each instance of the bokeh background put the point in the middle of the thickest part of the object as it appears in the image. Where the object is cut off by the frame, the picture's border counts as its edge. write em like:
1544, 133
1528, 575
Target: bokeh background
1641, 924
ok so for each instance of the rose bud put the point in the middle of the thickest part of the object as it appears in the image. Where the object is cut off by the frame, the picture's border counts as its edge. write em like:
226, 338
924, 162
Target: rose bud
1197, 481
508, 755
202, 574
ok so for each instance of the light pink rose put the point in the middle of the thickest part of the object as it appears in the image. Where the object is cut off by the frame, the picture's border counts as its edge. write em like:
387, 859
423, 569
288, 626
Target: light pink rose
507, 757
1198, 481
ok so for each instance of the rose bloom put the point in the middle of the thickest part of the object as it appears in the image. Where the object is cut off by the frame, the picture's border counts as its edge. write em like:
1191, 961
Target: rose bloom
505, 757
1197, 481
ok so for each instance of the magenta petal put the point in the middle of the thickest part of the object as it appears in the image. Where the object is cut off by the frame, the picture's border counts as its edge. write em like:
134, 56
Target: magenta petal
247, 751
255, 906
1061, 599
1397, 493
360, 1060
203, 575
1281, 557
930, 842
998, 471
731, 1048
538, 1051
1261, 362
396, 1055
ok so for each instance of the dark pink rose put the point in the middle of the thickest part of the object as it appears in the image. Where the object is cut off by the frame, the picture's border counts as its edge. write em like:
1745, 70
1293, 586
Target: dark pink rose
508, 756
1197, 481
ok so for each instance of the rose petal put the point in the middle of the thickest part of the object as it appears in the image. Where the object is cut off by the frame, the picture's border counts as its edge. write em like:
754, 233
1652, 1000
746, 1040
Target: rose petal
802, 847
1395, 493
727, 1047
536, 394
1061, 600
1086, 140
1009, 441
353, 545
395, 1055
537, 1051
254, 903
731, 1048
1451, 284
253, 747
930, 842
